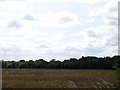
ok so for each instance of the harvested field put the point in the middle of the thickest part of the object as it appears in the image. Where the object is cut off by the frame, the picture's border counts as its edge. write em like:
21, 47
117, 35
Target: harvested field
58, 78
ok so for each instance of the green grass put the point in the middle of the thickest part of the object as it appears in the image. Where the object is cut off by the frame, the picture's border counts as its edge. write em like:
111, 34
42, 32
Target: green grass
58, 78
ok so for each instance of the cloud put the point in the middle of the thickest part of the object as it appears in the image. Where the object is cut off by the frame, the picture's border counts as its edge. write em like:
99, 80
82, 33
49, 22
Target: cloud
62, 19
29, 33
98, 40
71, 1
65, 20
30, 44
11, 13
92, 33
15, 24
12, 48
28, 17
59, 19
77, 49
107, 12
27, 43
101, 31
112, 41
13, 6
65, 51
82, 1
92, 49
22, 12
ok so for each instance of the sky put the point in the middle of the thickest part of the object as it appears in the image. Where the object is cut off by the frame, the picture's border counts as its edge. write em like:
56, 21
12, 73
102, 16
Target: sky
59, 29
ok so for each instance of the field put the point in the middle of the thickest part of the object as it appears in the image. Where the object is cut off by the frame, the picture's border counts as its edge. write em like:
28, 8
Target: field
58, 78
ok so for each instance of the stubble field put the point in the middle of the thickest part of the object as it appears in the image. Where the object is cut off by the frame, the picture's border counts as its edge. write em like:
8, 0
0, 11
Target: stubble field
57, 78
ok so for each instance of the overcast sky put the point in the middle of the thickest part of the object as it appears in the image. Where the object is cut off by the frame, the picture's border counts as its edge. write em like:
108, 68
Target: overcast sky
60, 29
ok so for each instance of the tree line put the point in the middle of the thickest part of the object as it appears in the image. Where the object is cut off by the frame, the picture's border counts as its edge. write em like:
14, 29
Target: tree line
89, 62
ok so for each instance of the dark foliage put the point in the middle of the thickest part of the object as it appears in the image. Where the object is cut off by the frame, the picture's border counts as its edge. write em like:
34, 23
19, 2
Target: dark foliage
88, 62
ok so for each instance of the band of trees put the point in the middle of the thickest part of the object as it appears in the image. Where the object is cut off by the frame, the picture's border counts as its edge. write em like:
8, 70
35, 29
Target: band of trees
89, 62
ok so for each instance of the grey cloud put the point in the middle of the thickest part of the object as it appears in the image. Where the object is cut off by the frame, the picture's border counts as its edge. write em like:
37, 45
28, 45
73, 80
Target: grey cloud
77, 52
3, 0
67, 52
94, 50
113, 41
73, 49
91, 33
12, 48
13, 52
28, 17
11, 0
113, 23
15, 24
65, 20
64, 54
113, 9
113, 20
42, 45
